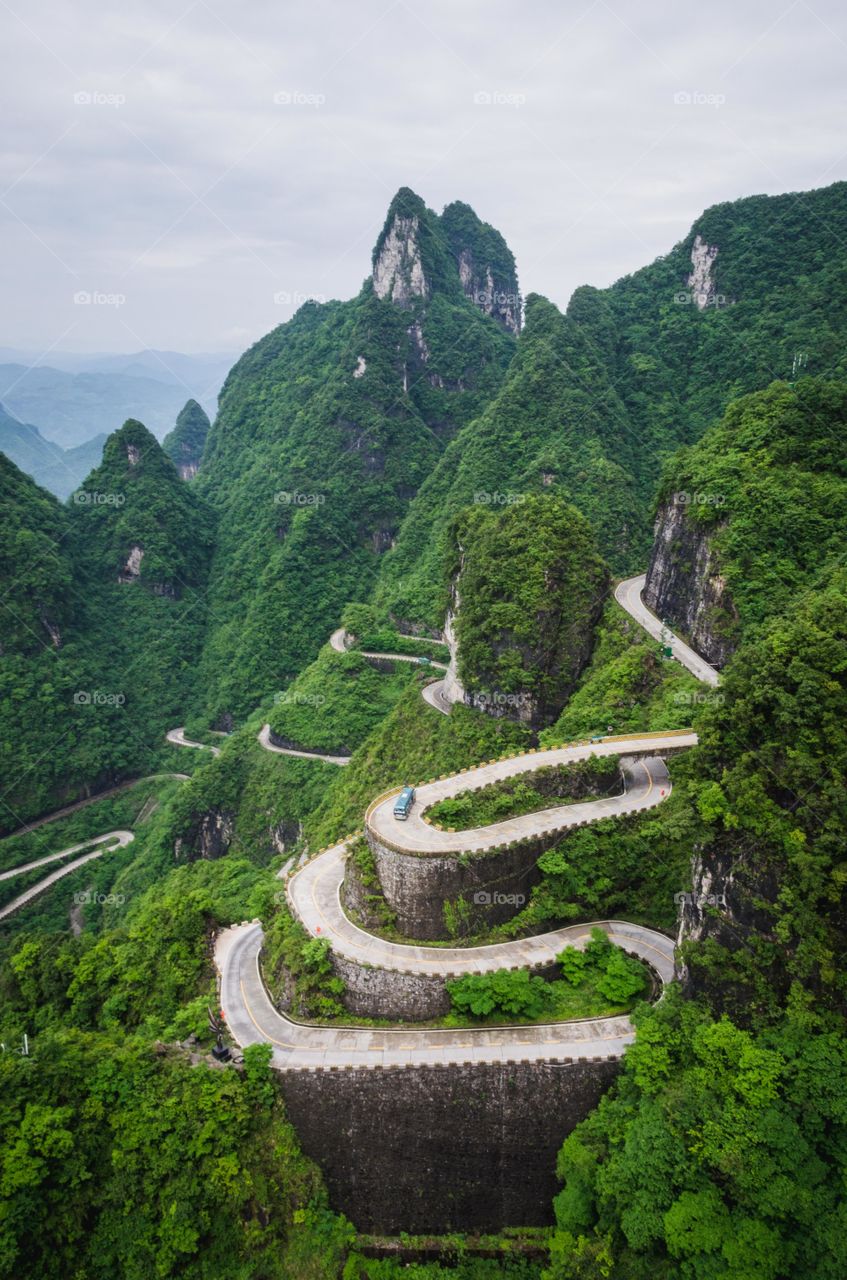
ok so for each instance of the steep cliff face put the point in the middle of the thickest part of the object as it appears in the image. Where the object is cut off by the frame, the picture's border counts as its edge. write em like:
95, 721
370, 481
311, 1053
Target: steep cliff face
411, 258
701, 281
209, 837
485, 265
398, 271
685, 585
751, 515
726, 905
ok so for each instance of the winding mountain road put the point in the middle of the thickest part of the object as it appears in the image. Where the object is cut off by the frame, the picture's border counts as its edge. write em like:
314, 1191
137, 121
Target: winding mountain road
647, 784
252, 1019
314, 894
432, 692
117, 838
628, 596
338, 642
177, 738
265, 741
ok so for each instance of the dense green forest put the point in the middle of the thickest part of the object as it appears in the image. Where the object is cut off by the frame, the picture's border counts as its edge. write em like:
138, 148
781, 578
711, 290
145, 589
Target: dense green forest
375, 464
771, 479
104, 616
532, 588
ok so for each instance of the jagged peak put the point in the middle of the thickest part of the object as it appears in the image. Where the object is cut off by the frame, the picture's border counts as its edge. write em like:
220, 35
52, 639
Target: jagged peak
419, 253
485, 264
398, 267
131, 450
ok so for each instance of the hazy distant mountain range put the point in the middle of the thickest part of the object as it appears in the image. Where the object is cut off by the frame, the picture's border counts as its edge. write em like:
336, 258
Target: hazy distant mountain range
75, 401
57, 469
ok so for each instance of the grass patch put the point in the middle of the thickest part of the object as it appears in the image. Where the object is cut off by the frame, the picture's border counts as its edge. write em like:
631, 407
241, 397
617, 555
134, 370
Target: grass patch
627, 687
337, 702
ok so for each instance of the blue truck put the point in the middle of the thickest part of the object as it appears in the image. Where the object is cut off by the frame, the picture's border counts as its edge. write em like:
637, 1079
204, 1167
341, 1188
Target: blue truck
403, 803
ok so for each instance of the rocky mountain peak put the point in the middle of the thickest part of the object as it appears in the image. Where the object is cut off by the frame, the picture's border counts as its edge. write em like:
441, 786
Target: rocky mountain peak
184, 445
398, 272
485, 265
419, 253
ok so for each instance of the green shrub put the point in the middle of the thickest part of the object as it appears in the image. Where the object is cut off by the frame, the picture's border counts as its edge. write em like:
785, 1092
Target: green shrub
616, 976
515, 993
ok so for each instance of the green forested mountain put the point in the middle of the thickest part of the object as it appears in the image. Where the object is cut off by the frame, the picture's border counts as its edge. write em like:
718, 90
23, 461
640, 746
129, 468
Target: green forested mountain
752, 514
327, 429
104, 613
184, 445
528, 591
596, 398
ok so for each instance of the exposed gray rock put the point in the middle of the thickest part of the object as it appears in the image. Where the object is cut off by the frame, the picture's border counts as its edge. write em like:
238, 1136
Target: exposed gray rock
398, 271
286, 834
685, 585
132, 568
726, 905
701, 282
209, 837
497, 298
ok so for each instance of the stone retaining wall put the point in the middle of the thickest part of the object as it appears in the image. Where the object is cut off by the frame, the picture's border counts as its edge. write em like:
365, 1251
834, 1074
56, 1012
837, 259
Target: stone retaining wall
393, 993
388, 993
417, 887
439, 1149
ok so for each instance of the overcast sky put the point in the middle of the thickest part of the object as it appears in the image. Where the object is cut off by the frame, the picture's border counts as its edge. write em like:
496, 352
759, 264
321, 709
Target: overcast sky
197, 169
